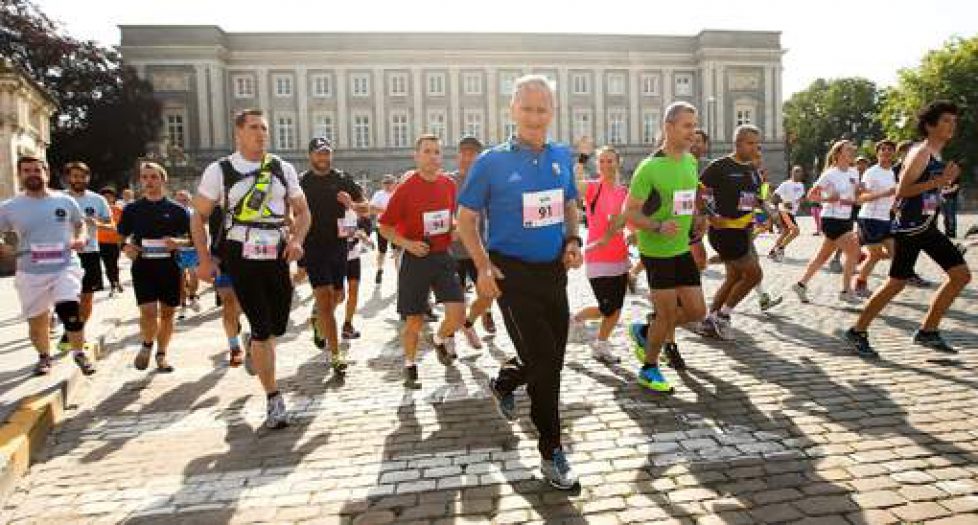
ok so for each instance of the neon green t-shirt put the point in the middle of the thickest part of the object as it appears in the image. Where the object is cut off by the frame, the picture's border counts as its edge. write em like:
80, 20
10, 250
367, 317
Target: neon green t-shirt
672, 185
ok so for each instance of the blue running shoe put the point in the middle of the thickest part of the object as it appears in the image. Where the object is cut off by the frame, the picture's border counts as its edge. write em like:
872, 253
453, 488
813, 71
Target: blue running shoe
638, 334
651, 377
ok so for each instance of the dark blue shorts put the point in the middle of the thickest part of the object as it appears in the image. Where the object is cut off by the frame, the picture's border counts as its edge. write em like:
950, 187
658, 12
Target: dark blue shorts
874, 231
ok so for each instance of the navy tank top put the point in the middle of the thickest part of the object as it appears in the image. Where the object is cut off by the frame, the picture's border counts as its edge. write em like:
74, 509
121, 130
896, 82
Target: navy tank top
918, 213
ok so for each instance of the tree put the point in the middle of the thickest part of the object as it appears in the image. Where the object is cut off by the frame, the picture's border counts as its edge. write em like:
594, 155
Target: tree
106, 114
948, 73
829, 110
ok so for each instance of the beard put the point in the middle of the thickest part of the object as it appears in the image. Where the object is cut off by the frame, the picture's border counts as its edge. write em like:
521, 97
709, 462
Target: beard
34, 184
78, 188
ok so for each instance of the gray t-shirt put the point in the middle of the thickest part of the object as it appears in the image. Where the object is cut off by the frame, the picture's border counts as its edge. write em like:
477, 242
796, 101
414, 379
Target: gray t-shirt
457, 248
44, 227
93, 206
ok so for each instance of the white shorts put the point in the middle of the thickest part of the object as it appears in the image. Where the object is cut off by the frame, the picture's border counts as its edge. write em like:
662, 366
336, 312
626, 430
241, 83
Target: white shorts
40, 292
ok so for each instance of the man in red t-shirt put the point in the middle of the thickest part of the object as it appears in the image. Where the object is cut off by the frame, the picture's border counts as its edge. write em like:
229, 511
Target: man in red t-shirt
418, 218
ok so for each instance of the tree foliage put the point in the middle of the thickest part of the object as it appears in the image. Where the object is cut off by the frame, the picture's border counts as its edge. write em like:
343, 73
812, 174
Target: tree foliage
106, 115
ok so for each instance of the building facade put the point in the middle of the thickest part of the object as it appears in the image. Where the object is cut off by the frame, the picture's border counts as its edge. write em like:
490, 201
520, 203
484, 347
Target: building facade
373, 93
25, 123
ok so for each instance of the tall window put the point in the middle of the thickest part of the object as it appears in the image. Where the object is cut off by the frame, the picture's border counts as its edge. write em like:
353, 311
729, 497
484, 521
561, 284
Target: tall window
616, 84
473, 123
283, 85
322, 85
650, 85
175, 135
361, 131
436, 124
506, 82
244, 86
322, 125
399, 130
508, 127
616, 126
650, 127
285, 132
436, 84
580, 84
398, 85
582, 124
472, 83
361, 85
743, 114
684, 85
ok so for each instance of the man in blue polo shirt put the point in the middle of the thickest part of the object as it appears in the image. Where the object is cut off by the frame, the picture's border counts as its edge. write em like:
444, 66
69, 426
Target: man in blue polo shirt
526, 189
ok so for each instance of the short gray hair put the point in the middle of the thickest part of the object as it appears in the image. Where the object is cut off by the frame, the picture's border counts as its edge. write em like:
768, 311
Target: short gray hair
744, 129
674, 109
533, 81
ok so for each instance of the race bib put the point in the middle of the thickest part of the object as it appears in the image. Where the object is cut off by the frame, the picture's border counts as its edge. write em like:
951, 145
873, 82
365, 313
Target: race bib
261, 246
346, 226
931, 203
49, 253
683, 202
747, 201
543, 208
436, 222
155, 249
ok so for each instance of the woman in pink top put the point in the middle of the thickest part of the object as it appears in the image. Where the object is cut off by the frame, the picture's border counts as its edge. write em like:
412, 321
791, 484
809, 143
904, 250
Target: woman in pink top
606, 263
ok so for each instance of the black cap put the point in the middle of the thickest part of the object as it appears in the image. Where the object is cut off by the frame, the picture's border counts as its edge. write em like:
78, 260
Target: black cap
320, 144
469, 140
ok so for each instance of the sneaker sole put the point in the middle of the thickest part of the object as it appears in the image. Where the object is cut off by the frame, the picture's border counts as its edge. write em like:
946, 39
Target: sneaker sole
559, 486
654, 387
497, 403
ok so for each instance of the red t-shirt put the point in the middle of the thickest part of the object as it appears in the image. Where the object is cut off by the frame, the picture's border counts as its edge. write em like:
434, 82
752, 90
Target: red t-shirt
419, 208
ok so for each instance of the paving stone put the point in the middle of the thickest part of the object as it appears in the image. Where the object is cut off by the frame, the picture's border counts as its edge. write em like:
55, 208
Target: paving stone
916, 512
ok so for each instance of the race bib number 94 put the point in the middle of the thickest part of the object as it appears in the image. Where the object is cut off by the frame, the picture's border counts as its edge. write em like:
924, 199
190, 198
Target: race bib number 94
543, 208
436, 222
683, 202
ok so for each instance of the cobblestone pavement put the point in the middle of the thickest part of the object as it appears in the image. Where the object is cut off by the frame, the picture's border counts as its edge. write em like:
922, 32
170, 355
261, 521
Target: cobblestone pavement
780, 425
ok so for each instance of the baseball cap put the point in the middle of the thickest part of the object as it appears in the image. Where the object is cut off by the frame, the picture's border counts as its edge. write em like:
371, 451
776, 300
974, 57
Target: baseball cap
469, 140
320, 144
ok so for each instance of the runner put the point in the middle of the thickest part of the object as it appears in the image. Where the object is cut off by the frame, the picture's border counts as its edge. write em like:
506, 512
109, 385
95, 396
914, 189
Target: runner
259, 189
187, 261
357, 245
836, 190
334, 201
525, 188
877, 195
50, 227
109, 242
155, 228
378, 203
418, 218
903, 147
918, 206
469, 148
732, 185
700, 149
97, 214
606, 257
788, 197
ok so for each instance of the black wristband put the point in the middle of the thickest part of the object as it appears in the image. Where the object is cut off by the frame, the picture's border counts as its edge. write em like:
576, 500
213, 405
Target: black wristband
574, 238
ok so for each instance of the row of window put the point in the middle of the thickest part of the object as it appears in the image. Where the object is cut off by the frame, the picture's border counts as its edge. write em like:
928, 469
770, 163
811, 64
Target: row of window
472, 84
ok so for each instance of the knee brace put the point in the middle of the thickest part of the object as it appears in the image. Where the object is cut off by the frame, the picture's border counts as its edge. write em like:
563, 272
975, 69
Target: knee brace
70, 315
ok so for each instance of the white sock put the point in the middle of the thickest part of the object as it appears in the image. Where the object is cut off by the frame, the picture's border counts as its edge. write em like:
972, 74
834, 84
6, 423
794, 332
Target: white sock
409, 362
725, 310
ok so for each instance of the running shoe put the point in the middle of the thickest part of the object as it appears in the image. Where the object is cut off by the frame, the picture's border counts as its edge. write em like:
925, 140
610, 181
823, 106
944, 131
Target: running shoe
349, 332
863, 291
236, 358
972, 230
84, 363
411, 377
651, 378
276, 416
932, 339
766, 302
773, 254
63, 344
446, 351
859, 343
379, 277
724, 326
142, 357
471, 337
558, 471
182, 315
162, 365
577, 330
850, 297
603, 351
505, 403
919, 282
337, 361
317, 338
488, 324
638, 334
43, 366
801, 291
673, 357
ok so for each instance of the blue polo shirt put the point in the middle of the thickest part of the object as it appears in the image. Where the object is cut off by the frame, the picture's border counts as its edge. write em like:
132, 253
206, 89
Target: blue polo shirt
517, 188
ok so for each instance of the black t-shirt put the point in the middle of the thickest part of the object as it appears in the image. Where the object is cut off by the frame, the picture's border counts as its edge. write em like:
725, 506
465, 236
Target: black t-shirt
734, 186
324, 209
146, 219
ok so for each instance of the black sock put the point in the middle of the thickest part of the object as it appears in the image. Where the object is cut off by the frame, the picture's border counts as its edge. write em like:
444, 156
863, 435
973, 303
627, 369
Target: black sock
802, 285
646, 366
270, 395
147, 344
468, 324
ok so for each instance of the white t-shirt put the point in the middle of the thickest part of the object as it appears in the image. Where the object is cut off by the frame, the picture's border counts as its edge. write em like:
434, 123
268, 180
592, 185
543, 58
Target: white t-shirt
380, 198
875, 180
791, 193
842, 183
212, 187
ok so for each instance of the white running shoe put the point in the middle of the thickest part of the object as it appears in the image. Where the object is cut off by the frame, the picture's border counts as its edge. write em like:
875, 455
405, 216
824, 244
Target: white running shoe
604, 352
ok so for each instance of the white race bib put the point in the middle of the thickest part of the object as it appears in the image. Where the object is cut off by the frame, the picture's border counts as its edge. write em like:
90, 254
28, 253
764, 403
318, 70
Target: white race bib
49, 253
155, 249
346, 226
931, 202
436, 222
683, 202
543, 208
261, 246
747, 201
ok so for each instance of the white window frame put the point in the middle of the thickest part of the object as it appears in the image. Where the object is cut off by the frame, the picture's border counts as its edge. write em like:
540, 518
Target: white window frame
472, 116
470, 79
361, 137
435, 84
506, 83
289, 141
685, 82
507, 128
580, 84
437, 123
617, 127
616, 84
243, 81
576, 124
181, 114
651, 126
320, 129
283, 80
745, 112
327, 83
397, 80
360, 78
650, 84
400, 129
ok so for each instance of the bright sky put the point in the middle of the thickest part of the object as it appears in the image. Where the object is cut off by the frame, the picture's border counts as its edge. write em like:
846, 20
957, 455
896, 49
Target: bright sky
830, 38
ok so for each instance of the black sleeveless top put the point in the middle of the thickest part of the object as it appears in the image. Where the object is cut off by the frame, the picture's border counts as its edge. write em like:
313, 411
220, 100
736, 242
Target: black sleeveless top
918, 213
